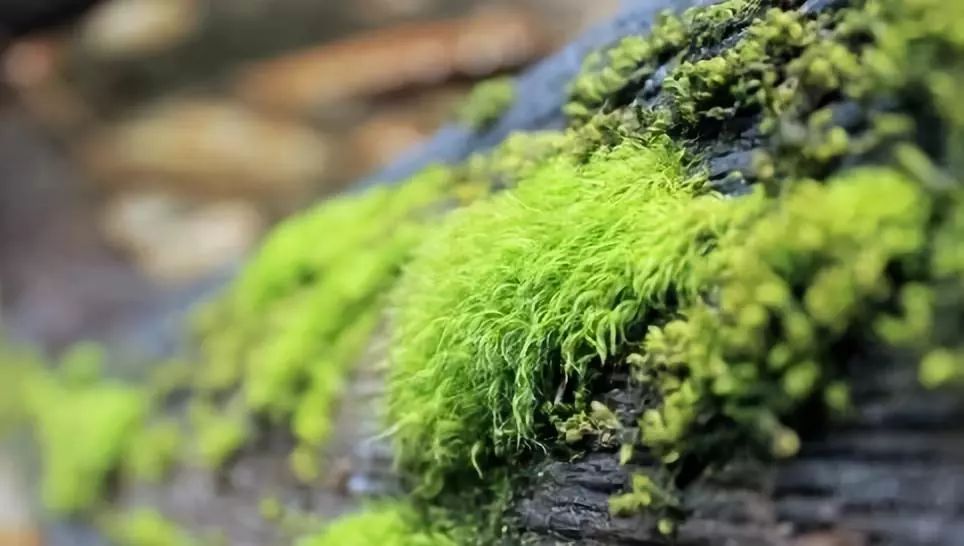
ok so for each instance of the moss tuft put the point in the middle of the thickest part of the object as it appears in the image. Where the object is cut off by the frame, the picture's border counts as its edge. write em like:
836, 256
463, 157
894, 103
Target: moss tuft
605, 73
644, 494
516, 300
153, 450
144, 527
486, 102
386, 525
83, 428
806, 277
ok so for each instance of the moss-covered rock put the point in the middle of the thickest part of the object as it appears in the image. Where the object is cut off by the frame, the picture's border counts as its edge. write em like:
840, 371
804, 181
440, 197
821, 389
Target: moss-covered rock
637, 242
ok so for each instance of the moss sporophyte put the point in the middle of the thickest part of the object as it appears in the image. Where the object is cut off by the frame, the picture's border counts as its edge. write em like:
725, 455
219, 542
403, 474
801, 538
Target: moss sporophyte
512, 283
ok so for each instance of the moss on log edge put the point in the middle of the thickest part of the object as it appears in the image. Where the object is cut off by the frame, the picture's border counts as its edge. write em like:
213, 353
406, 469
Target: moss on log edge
733, 299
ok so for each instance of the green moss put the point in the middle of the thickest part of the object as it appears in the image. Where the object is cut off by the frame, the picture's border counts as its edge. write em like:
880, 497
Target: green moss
707, 25
83, 431
387, 525
942, 367
271, 509
287, 332
516, 300
217, 435
492, 342
644, 494
18, 367
305, 287
599, 423
81, 365
604, 73
513, 307
740, 77
144, 527
487, 101
153, 450
283, 338
806, 277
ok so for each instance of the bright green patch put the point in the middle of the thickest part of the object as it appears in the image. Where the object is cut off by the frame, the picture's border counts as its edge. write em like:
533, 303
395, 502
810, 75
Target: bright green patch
83, 430
217, 435
18, 366
388, 525
487, 101
287, 332
810, 275
604, 73
143, 527
153, 450
516, 300
599, 423
644, 494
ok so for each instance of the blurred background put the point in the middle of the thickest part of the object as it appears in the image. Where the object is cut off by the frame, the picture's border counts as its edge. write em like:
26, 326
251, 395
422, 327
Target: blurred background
147, 145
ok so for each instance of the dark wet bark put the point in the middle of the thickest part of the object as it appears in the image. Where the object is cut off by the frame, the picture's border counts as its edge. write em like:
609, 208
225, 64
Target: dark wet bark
891, 474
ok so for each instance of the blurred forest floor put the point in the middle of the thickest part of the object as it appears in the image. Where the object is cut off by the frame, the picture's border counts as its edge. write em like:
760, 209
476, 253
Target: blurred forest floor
150, 145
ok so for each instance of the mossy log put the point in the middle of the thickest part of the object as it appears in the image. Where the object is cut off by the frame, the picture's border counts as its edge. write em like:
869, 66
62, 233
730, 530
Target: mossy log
849, 444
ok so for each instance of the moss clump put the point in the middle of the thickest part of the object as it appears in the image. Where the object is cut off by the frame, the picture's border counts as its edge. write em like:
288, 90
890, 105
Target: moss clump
285, 335
153, 450
18, 366
741, 76
800, 282
487, 101
604, 73
599, 423
493, 342
387, 525
644, 494
144, 527
83, 430
516, 300
283, 338
217, 434
633, 59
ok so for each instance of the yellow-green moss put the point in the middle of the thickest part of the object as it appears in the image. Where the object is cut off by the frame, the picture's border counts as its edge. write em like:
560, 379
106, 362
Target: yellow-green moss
145, 527
487, 101
518, 299
18, 366
797, 280
491, 342
217, 435
606, 72
598, 423
153, 449
644, 494
285, 335
82, 430
387, 525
